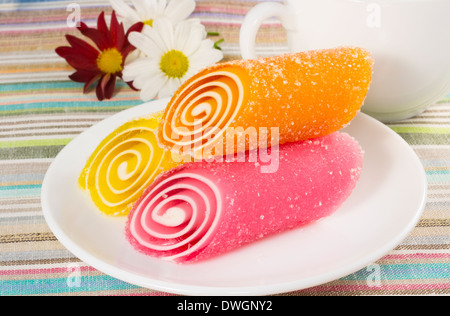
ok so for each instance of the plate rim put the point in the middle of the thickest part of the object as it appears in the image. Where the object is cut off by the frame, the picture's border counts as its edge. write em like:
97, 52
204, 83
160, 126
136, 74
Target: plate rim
186, 289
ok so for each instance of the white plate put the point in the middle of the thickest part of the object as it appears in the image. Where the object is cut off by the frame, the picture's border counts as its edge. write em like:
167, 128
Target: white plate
383, 209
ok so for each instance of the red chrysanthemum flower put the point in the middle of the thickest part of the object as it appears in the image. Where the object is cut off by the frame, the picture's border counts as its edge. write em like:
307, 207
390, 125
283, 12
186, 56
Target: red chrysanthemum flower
104, 63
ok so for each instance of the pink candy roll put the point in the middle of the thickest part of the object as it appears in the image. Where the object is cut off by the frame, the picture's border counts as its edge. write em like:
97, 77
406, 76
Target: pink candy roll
203, 209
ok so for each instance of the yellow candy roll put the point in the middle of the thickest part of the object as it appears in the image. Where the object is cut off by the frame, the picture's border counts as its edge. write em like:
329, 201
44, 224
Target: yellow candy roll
124, 164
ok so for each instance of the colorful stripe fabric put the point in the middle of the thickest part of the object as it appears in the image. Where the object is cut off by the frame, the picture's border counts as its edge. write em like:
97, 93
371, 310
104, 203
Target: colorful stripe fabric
41, 111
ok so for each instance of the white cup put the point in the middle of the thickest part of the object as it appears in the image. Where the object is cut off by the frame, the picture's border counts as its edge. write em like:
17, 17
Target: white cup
409, 40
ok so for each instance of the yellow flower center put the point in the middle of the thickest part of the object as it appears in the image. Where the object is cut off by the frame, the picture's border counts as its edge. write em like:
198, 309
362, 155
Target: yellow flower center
174, 64
110, 61
149, 22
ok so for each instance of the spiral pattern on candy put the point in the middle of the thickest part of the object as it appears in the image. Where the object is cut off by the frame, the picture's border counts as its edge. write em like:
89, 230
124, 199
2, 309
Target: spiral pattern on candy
178, 216
124, 164
204, 108
202, 209
304, 95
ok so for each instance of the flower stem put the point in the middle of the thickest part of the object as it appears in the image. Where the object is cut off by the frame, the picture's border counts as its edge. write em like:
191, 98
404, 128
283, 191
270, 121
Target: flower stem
216, 44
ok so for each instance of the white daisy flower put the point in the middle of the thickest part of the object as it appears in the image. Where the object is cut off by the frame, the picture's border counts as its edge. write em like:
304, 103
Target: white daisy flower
147, 11
170, 55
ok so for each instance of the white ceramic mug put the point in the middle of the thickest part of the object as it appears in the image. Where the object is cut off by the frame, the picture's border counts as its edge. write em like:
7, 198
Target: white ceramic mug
409, 40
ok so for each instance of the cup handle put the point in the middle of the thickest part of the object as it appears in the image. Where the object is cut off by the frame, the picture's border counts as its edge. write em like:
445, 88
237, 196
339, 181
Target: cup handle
253, 21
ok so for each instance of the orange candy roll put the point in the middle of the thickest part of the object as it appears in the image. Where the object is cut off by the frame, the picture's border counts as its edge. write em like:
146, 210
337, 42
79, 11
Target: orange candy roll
124, 164
289, 98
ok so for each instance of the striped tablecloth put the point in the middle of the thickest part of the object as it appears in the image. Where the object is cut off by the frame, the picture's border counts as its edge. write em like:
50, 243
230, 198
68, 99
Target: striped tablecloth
41, 111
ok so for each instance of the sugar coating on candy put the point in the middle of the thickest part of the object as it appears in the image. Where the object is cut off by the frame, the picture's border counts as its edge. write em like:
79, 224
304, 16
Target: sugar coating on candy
305, 95
124, 164
203, 209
